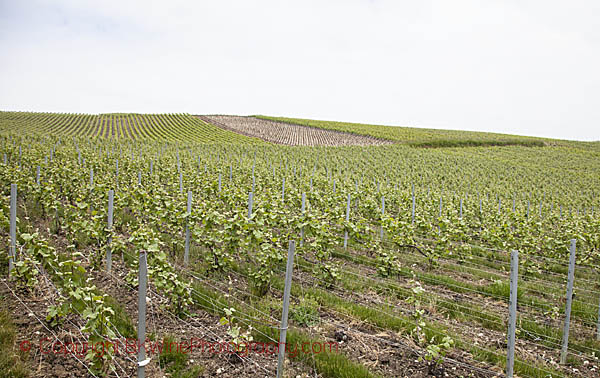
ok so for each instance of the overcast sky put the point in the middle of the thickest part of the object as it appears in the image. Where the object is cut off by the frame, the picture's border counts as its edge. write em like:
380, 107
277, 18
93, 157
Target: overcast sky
522, 67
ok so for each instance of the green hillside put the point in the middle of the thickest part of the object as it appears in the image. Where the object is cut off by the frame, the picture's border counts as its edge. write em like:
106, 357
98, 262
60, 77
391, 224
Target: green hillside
422, 137
163, 127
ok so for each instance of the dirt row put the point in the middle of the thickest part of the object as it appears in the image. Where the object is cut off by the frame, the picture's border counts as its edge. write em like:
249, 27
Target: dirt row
531, 351
382, 351
289, 134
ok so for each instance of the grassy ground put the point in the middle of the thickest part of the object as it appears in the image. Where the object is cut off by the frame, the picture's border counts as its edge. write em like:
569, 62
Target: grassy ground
11, 361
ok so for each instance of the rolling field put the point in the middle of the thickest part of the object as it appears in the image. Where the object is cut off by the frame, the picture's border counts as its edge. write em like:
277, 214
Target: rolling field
402, 263
420, 137
148, 127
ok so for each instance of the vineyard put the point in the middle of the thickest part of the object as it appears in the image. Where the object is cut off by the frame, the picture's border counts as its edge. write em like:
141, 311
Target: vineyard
154, 127
420, 137
403, 262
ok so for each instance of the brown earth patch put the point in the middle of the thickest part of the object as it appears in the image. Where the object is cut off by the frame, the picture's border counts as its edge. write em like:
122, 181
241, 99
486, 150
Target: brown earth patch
289, 134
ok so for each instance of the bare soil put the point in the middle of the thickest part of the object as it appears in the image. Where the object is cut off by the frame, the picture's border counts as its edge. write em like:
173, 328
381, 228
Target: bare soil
289, 134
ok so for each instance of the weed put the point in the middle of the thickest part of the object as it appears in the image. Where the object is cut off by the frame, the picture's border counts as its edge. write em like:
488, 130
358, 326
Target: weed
11, 363
306, 313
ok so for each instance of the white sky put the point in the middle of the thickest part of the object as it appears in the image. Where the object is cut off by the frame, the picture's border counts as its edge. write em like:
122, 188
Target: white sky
523, 67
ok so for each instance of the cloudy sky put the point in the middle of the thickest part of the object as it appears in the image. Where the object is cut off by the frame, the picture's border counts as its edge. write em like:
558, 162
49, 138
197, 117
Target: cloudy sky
523, 67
